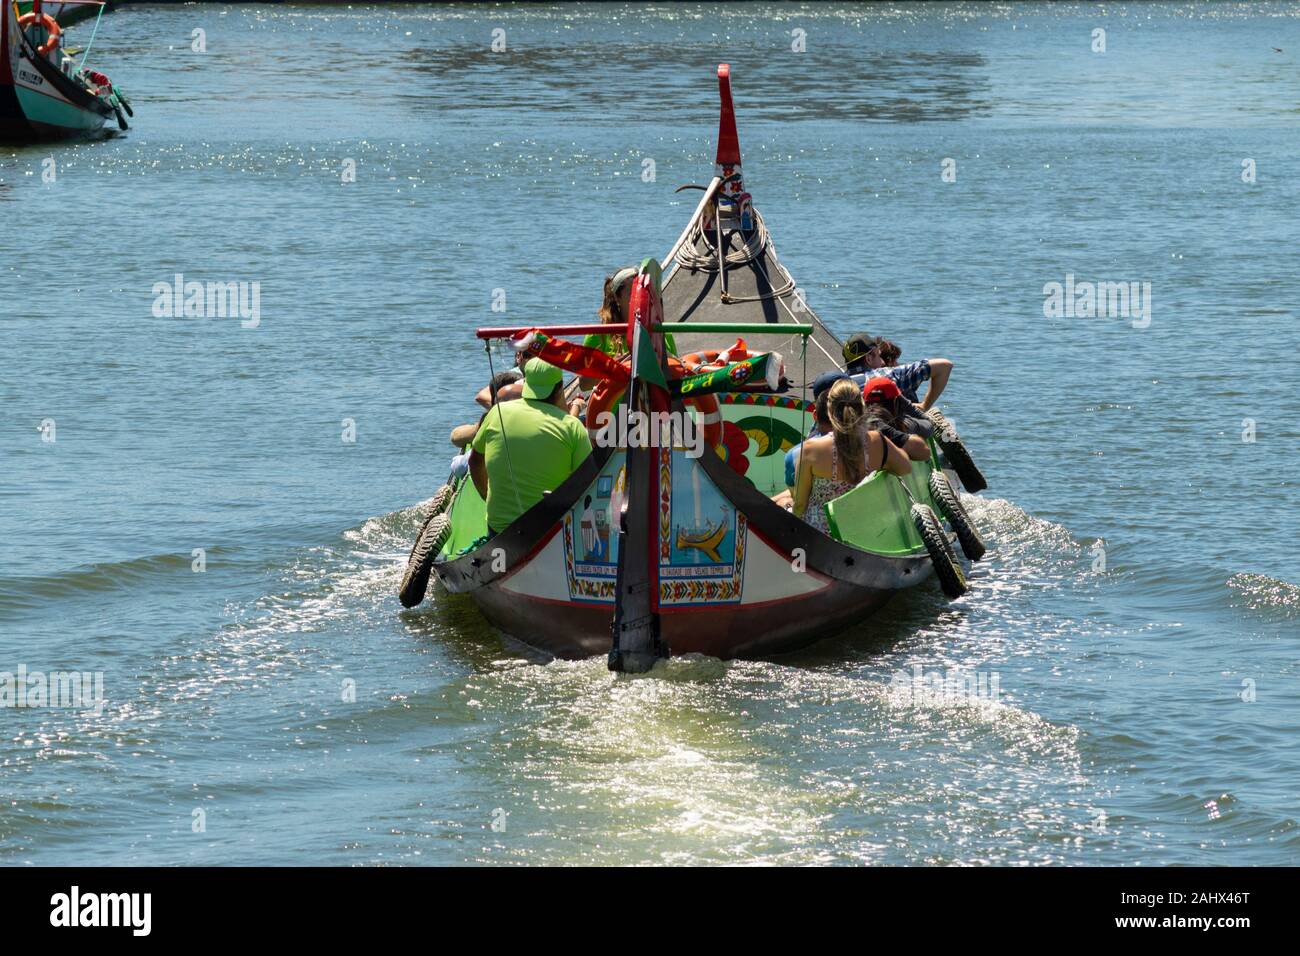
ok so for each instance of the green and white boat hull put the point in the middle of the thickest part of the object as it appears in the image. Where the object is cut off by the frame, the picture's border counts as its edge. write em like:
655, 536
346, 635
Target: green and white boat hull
37, 101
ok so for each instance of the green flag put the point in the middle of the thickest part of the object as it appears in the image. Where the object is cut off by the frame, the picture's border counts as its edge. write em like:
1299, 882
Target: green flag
647, 361
764, 367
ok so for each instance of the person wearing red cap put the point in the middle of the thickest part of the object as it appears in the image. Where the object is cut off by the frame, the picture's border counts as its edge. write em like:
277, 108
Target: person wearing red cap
900, 421
879, 390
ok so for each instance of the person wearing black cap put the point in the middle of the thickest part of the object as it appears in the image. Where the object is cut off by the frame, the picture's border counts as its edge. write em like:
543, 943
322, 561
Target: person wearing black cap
856, 350
862, 358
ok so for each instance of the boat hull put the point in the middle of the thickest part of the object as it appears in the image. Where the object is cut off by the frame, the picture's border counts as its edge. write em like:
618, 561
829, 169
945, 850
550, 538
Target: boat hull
37, 102
573, 632
771, 584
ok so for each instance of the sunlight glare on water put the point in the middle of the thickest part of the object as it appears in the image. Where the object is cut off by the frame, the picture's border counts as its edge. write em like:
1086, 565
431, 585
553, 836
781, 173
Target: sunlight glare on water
286, 693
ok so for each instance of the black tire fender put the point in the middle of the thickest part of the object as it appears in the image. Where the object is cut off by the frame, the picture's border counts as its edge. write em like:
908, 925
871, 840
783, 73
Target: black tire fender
442, 499
415, 582
950, 506
954, 449
941, 423
951, 577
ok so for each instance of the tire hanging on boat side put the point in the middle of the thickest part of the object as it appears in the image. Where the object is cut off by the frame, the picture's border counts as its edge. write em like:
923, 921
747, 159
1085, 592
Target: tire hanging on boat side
415, 582
941, 422
442, 500
946, 568
972, 545
954, 449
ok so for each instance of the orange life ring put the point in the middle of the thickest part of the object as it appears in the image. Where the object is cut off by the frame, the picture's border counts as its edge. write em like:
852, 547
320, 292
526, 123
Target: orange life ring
51, 26
712, 359
701, 361
606, 394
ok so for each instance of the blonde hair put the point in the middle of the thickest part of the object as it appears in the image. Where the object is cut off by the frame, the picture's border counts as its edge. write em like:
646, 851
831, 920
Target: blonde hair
846, 411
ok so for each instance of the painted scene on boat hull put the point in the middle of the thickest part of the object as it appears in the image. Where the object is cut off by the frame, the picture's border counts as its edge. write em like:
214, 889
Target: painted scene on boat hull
739, 575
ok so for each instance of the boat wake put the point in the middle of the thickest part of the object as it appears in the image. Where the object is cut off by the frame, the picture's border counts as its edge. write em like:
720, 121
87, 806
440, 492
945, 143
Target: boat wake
694, 761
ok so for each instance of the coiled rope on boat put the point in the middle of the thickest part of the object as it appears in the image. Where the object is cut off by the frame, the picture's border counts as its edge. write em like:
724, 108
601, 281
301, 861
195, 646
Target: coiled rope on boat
752, 249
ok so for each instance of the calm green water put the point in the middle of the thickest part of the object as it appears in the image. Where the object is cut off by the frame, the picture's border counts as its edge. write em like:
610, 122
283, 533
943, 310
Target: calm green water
1119, 736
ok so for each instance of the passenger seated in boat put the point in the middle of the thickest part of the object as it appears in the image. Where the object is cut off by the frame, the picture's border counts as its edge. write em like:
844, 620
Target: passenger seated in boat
863, 360
508, 385
900, 421
889, 353
524, 449
614, 304
613, 310
821, 426
831, 465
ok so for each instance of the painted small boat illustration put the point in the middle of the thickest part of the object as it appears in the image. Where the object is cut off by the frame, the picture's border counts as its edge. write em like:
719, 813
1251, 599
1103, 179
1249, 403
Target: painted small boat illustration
707, 541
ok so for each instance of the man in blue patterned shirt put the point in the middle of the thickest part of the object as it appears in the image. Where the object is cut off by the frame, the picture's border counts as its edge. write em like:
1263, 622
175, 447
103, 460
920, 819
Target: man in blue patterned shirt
863, 361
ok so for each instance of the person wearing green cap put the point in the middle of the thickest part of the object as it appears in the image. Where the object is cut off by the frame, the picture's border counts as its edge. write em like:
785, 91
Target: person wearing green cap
526, 448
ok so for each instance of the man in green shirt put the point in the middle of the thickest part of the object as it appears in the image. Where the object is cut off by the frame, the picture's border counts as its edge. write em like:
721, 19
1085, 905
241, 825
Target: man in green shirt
527, 447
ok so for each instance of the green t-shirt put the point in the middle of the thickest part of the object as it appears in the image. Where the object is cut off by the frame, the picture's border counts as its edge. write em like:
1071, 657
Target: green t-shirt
530, 447
606, 343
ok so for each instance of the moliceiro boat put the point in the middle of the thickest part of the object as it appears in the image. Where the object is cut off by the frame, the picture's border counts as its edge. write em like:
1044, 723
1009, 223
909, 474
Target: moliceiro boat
658, 547
46, 91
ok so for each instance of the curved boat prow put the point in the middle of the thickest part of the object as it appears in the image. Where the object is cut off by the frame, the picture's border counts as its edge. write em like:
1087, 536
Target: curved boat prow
636, 635
725, 269
732, 207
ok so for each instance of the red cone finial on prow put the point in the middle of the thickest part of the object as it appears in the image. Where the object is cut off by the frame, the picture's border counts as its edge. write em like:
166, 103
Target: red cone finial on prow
728, 141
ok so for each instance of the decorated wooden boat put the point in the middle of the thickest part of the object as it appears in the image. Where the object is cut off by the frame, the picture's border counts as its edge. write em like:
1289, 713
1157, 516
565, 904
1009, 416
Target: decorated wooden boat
646, 551
46, 91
